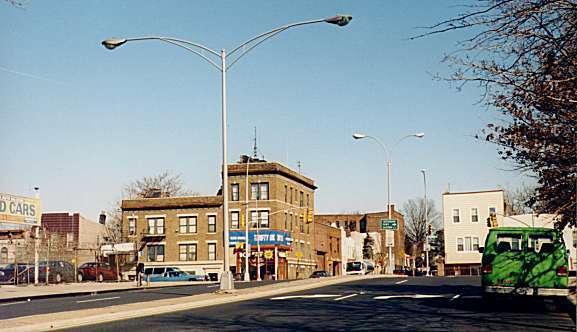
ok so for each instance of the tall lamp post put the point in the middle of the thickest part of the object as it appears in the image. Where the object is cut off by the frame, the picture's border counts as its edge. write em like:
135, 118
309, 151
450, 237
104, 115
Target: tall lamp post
226, 280
424, 171
389, 164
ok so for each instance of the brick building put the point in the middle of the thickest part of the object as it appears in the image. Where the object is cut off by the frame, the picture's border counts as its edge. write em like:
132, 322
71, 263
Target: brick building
73, 230
328, 248
187, 231
370, 222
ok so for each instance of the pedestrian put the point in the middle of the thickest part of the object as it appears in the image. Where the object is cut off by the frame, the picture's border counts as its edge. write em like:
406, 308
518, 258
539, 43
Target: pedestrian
139, 274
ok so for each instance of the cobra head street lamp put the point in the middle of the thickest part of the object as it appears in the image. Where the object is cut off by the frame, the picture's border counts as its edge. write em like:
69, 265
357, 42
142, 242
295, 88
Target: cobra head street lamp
340, 20
113, 43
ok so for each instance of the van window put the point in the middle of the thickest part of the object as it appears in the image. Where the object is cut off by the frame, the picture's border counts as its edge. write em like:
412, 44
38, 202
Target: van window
158, 270
513, 241
537, 240
148, 270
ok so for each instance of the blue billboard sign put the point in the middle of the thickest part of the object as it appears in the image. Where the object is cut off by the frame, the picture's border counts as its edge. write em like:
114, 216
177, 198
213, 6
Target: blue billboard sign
266, 237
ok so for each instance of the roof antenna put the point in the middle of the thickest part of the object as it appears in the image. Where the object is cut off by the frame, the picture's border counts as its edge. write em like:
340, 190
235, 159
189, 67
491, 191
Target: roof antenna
255, 149
299, 165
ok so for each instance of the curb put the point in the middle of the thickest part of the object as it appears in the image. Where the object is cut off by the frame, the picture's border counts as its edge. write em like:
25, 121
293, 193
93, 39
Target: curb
94, 316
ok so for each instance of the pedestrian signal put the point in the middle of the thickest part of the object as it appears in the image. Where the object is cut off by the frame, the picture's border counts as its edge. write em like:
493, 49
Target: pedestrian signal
309, 216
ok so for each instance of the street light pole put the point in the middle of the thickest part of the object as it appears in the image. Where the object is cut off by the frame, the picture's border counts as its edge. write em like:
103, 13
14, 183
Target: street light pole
226, 280
426, 222
389, 166
247, 249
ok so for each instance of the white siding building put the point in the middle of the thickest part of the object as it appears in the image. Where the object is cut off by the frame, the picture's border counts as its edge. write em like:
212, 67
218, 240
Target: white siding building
465, 227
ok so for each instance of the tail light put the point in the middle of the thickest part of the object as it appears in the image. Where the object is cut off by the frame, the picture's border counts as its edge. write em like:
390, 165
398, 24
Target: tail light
487, 269
562, 271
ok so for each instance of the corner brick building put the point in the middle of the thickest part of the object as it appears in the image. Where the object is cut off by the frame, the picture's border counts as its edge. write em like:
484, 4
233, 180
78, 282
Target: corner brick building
187, 231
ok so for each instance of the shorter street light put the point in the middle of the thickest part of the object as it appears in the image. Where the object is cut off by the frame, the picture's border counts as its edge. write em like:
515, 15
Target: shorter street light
388, 158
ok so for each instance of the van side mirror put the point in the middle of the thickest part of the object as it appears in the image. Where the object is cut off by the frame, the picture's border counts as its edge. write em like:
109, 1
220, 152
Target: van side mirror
481, 250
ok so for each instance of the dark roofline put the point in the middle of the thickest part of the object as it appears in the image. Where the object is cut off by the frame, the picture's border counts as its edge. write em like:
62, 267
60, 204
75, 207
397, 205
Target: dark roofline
270, 168
474, 192
171, 203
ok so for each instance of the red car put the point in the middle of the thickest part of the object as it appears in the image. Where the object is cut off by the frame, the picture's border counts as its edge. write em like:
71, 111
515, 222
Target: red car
96, 271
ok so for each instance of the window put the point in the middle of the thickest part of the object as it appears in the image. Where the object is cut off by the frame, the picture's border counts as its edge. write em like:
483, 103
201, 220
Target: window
492, 210
156, 226
259, 191
4, 255
535, 241
285, 193
460, 244
254, 191
263, 191
156, 253
474, 215
187, 225
353, 225
234, 192
308, 201
291, 198
234, 220
212, 224
187, 252
131, 226
508, 242
285, 221
212, 251
467, 243
475, 244
302, 199
456, 216
262, 216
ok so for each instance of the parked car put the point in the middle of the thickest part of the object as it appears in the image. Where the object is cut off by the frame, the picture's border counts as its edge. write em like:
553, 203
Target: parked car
524, 261
96, 271
319, 274
57, 271
25, 273
161, 273
176, 276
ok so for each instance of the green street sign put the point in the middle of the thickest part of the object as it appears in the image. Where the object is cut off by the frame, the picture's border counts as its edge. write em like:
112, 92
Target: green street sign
389, 224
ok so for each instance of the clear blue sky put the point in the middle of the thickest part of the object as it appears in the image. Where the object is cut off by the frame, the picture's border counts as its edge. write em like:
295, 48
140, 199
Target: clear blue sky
80, 121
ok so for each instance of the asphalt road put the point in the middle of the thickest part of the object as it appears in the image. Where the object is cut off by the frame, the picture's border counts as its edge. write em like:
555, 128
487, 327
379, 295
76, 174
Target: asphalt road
403, 304
52, 305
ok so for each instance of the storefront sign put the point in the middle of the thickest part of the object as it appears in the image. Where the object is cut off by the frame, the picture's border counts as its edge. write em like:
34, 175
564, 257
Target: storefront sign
266, 237
19, 211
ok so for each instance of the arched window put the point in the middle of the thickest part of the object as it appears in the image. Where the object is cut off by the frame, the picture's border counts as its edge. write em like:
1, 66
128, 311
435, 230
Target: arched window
4, 255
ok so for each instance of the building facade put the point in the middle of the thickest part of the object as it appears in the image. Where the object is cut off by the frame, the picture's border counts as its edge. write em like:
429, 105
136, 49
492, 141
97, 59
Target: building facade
328, 249
277, 203
465, 227
371, 223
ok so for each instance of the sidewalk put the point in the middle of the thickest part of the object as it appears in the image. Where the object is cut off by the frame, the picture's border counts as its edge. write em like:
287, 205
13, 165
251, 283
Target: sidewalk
9, 293
78, 318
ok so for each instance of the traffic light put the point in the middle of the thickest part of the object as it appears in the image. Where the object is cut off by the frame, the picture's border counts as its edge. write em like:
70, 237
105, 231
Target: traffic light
242, 222
492, 220
309, 216
429, 229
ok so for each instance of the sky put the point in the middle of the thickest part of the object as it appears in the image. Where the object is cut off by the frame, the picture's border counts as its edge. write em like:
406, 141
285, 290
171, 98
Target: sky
80, 122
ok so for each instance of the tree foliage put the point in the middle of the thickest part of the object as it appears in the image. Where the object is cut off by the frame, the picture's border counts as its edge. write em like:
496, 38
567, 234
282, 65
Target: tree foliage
524, 56
517, 201
416, 223
368, 245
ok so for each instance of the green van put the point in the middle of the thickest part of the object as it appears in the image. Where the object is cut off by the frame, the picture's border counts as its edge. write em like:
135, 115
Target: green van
524, 261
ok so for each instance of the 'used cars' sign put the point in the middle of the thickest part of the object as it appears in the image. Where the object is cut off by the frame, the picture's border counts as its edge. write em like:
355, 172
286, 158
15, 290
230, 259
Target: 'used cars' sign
19, 210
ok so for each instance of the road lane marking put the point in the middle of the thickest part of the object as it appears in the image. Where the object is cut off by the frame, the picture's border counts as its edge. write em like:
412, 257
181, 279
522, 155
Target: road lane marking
455, 297
414, 296
345, 297
401, 282
11, 303
314, 296
102, 299
212, 286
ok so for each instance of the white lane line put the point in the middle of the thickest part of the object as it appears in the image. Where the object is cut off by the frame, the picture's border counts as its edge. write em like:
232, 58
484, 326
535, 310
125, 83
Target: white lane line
455, 297
314, 296
212, 286
345, 297
414, 296
102, 299
401, 282
11, 303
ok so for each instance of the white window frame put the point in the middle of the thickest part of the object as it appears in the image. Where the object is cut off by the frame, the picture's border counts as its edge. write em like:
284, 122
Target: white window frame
132, 225
458, 216
462, 245
476, 214
208, 218
235, 194
208, 246
475, 243
187, 252
468, 244
234, 223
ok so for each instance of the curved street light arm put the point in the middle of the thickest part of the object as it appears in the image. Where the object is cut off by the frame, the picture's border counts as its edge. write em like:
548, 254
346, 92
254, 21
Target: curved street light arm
387, 155
179, 43
253, 46
273, 31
